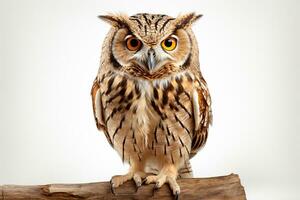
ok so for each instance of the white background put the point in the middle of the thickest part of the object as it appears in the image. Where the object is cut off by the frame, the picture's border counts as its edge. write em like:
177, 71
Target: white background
249, 53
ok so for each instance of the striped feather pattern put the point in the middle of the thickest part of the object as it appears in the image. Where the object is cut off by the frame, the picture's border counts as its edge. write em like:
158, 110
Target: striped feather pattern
150, 120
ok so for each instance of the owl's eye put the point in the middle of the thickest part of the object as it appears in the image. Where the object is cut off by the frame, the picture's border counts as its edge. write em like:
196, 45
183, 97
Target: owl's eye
133, 44
169, 44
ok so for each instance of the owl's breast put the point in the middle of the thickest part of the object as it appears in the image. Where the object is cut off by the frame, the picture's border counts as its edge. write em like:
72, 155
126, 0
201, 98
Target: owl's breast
148, 116
126, 113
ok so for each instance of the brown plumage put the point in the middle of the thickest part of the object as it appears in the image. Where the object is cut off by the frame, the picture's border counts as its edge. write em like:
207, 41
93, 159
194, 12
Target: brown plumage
149, 97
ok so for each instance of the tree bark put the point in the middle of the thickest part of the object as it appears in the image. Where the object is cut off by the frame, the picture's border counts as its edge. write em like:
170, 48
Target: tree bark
215, 188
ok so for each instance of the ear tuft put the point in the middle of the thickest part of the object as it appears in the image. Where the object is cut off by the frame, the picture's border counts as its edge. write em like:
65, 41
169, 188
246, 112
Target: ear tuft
186, 20
197, 17
114, 20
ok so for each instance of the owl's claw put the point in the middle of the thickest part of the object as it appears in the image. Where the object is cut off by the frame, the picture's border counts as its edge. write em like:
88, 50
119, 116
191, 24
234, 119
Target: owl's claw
176, 195
137, 178
138, 185
137, 189
144, 181
112, 189
155, 188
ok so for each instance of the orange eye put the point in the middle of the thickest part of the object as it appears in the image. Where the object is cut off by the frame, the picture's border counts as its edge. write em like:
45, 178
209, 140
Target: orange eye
169, 44
133, 44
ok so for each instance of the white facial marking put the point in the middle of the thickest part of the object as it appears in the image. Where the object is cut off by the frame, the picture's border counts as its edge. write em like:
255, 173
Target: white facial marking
161, 56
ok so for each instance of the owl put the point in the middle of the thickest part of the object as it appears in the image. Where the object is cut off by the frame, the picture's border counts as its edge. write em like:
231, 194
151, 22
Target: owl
149, 97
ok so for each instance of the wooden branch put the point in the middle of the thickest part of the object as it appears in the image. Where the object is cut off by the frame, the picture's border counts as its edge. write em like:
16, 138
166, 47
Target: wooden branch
216, 188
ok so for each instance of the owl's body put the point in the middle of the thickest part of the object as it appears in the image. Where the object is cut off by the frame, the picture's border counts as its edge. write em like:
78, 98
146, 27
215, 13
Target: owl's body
154, 109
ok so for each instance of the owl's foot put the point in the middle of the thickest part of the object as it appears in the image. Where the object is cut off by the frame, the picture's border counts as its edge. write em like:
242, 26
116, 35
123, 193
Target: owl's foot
137, 177
165, 176
118, 180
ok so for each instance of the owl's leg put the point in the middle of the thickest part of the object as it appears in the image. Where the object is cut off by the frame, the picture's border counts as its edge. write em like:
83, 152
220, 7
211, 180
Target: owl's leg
136, 173
168, 174
186, 170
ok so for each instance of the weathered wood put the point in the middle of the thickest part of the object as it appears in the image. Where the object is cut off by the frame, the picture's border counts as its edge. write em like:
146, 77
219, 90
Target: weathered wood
215, 188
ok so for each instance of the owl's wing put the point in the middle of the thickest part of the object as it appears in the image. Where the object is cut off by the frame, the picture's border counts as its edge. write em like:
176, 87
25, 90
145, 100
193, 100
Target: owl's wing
202, 115
98, 109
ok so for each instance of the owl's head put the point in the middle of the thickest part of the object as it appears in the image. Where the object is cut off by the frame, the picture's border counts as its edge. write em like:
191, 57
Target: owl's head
148, 43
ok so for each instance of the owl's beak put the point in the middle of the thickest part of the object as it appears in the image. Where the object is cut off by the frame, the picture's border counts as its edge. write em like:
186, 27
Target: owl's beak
151, 60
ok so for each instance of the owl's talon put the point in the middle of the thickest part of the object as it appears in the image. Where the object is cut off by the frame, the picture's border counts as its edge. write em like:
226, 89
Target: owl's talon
176, 195
138, 185
155, 188
144, 181
112, 189
137, 178
137, 188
